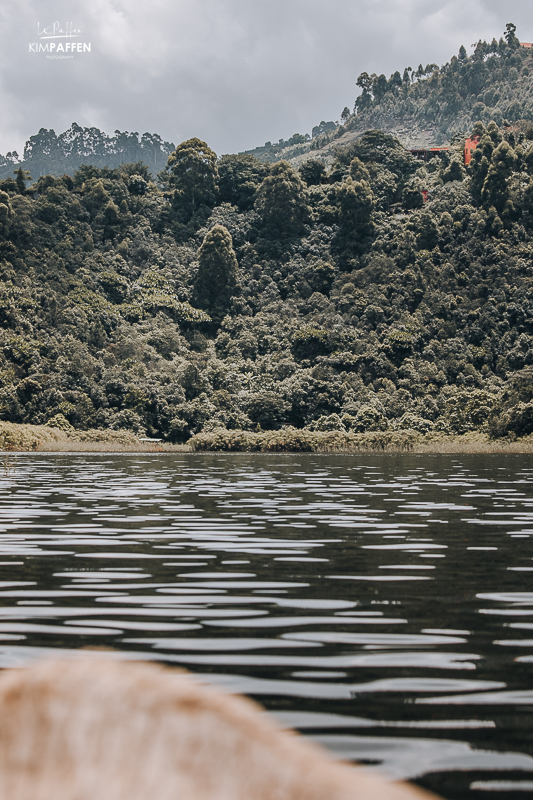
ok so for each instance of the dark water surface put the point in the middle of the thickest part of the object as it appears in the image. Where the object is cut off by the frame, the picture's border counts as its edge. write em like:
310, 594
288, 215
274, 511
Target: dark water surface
381, 604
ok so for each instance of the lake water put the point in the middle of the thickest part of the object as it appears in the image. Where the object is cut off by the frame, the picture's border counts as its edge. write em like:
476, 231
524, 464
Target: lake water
381, 604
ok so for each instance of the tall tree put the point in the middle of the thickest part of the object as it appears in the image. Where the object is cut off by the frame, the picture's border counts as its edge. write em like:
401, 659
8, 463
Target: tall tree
239, 177
495, 191
216, 280
22, 176
193, 174
510, 36
282, 203
356, 204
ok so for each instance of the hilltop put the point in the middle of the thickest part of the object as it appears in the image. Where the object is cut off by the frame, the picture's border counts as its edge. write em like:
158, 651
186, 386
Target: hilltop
428, 106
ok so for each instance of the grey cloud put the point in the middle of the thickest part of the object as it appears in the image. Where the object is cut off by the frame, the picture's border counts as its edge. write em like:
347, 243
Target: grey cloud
233, 72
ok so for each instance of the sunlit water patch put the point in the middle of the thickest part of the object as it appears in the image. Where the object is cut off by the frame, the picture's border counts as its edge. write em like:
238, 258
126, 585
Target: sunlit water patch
383, 605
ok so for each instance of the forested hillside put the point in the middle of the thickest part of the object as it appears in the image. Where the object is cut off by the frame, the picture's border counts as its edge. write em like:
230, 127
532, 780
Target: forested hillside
494, 83
429, 105
243, 295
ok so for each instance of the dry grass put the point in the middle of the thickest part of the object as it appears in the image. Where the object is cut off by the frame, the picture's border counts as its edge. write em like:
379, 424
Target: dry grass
473, 443
28, 438
293, 440
73, 446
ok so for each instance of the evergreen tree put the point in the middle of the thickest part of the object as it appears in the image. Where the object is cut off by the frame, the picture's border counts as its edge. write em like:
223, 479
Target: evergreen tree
364, 81
356, 203
510, 36
193, 174
22, 176
282, 203
395, 81
482, 156
358, 171
216, 280
495, 191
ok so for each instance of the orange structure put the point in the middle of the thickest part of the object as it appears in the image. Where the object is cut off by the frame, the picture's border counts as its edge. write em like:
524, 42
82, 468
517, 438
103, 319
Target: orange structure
470, 146
426, 154
526, 44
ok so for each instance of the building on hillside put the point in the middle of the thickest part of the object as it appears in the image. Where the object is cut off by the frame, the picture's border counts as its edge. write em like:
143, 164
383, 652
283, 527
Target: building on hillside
526, 44
426, 154
470, 145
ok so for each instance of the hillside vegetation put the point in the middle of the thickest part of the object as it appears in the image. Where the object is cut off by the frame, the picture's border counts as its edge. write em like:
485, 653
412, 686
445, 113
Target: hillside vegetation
242, 296
429, 105
494, 83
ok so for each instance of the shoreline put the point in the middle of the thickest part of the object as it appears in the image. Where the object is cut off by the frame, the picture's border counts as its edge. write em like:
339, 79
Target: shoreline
21, 438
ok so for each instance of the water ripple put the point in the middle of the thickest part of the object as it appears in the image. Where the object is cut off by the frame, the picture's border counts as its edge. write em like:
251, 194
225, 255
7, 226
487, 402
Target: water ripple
347, 592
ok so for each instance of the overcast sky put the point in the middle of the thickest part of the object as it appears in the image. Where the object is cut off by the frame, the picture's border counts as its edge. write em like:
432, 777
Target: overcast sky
235, 73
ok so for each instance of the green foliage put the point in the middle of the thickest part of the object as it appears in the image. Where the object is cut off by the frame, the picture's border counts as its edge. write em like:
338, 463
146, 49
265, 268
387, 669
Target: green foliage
310, 342
313, 172
329, 314
469, 410
22, 177
266, 409
60, 422
377, 147
495, 190
239, 177
367, 418
356, 204
492, 83
5, 212
216, 279
282, 203
358, 171
453, 171
137, 185
47, 154
192, 171
412, 198
292, 440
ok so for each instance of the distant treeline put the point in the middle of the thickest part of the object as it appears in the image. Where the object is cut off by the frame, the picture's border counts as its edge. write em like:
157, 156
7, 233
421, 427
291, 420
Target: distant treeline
49, 154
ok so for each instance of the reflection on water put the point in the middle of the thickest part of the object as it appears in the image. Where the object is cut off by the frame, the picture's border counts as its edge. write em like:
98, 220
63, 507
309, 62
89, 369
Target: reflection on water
381, 604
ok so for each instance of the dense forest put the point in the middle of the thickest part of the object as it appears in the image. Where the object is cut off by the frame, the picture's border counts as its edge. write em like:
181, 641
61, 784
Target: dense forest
382, 294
